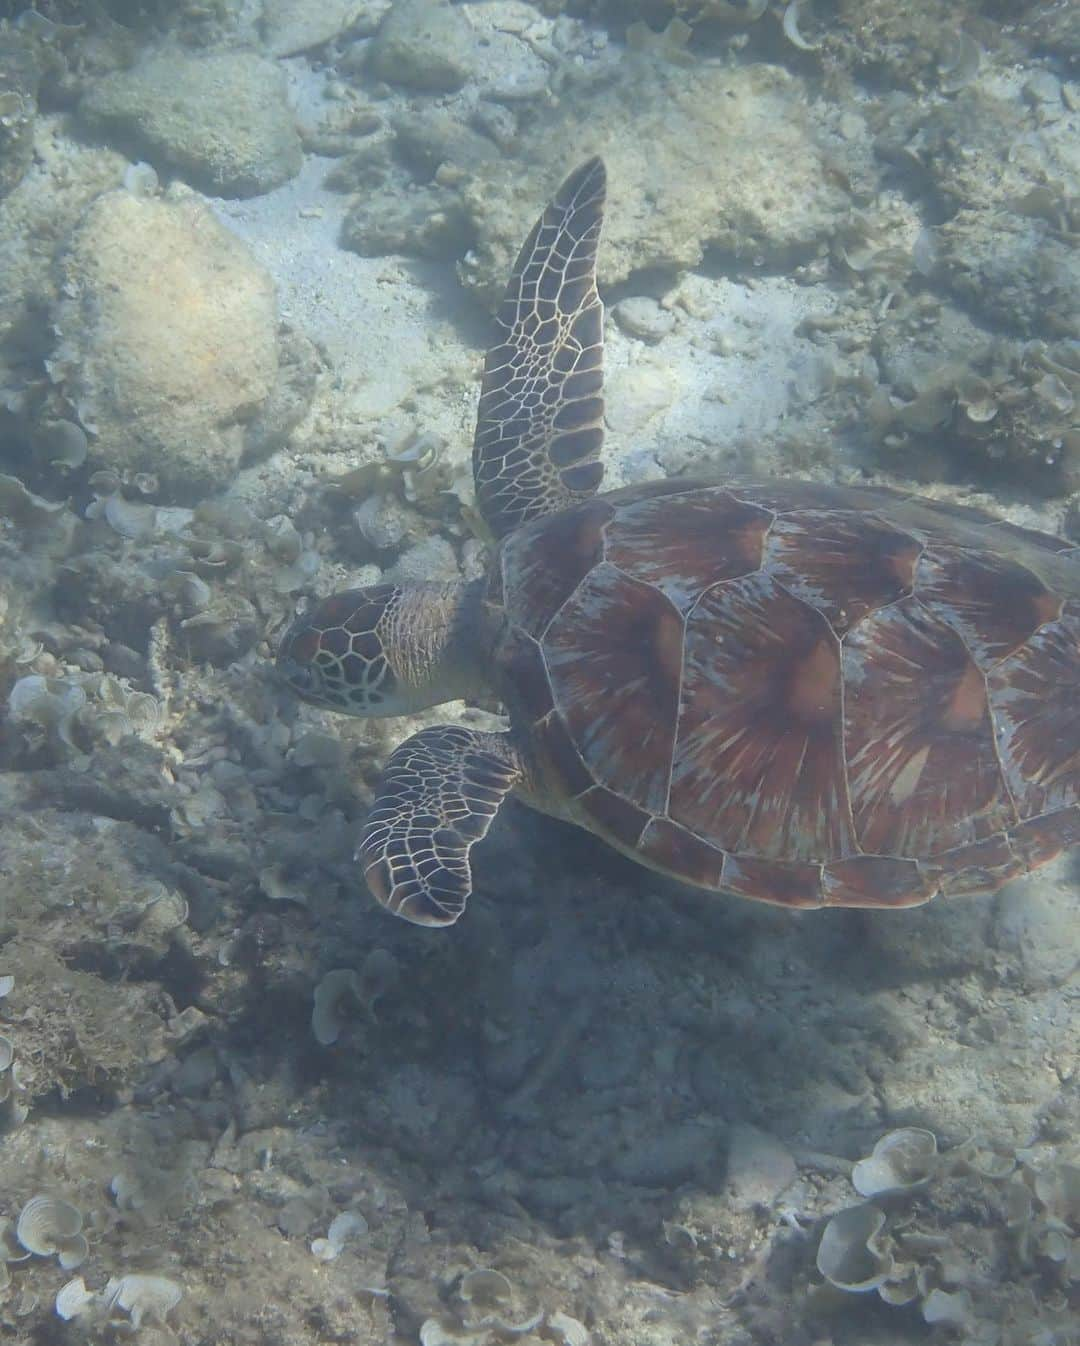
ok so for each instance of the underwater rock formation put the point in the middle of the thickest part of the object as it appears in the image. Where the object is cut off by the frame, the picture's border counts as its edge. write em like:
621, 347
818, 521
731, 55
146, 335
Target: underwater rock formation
168, 340
220, 119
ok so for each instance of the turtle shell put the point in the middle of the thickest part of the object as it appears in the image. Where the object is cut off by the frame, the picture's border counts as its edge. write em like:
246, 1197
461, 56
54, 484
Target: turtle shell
804, 694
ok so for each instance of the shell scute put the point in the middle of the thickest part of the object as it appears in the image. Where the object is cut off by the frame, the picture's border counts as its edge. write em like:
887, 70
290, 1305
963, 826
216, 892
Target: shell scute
981, 867
654, 490
992, 602
778, 882
759, 760
558, 759
784, 496
686, 543
844, 564
525, 675
614, 657
1036, 698
1040, 839
615, 816
922, 764
876, 881
676, 850
543, 563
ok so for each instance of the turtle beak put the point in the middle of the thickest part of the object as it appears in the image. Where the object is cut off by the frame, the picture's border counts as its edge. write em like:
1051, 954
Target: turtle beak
298, 677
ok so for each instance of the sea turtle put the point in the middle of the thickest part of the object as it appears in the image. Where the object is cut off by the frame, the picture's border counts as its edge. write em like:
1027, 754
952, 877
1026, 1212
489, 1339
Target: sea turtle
806, 694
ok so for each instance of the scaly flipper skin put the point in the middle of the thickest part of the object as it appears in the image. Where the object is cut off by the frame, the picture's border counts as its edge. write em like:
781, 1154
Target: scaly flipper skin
437, 796
540, 425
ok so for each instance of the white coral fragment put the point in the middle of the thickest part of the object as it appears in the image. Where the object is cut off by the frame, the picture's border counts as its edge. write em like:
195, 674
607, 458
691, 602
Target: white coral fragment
445, 1332
130, 518
1058, 1188
10, 1249
959, 62
902, 1161
486, 1288
791, 27
61, 444
850, 1255
48, 1225
164, 912
348, 1225
954, 1310
279, 888
74, 1299
567, 1330
49, 703
126, 1192
142, 1297
326, 1017
74, 1252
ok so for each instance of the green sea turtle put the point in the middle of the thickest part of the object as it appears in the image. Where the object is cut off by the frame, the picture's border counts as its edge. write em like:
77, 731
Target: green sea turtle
805, 694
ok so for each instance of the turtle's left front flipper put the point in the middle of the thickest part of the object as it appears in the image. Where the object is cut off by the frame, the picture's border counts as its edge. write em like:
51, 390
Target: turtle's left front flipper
437, 796
540, 424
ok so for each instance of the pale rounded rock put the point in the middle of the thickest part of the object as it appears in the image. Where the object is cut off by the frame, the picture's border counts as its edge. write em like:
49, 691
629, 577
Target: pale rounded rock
727, 157
290, 27
168, 340
637, 395
425, 45
221, 119
759, 1167
433, 558
644, 318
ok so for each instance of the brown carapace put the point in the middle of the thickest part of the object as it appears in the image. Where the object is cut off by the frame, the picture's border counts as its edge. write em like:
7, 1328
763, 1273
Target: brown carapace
810, 695
806, 694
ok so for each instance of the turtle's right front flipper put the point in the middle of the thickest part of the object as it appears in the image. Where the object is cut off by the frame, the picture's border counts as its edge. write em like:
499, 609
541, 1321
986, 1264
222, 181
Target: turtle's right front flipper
437, 796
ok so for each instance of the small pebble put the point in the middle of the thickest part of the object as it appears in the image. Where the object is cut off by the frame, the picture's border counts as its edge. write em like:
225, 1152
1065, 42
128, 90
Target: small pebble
643, 318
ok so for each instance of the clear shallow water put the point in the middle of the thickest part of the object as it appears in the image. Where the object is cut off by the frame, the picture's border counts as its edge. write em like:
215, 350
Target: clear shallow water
639, 1104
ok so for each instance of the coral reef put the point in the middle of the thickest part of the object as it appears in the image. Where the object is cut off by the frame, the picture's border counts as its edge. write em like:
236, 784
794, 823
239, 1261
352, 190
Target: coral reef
19, 77
1009, 1278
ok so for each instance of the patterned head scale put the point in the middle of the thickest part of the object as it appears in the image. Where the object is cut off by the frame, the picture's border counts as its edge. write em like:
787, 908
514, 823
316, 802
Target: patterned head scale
335, 655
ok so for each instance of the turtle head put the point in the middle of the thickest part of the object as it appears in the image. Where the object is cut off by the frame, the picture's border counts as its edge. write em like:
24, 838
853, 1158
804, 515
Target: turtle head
389, 649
